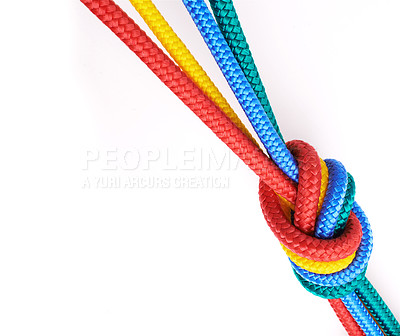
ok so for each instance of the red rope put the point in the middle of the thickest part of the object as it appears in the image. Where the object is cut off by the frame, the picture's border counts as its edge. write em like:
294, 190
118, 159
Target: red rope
303, 245
308, 190
348, 322
177, 81
170, 74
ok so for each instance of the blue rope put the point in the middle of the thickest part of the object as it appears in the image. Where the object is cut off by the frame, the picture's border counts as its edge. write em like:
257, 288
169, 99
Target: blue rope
361, 315
356, 267
333, 201
335, 196
325, 226
236, 79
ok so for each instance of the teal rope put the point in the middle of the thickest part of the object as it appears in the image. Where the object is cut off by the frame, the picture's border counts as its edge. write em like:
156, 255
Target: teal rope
334, 292
378, 308
240, 86
228, 22
361, 315
229, 25
347, 206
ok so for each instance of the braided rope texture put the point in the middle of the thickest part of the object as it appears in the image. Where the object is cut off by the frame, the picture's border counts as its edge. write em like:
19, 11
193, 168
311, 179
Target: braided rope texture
334, 199
210, 32
182, 56
324, 184
361, 315
234, 75
378, 308
230, 27
306, 207
347, 320
229, 24
177, 81
358, 264
347, 206
309, 188
340, 195
171, 75
215, 119
221, 52
318, 267
190, 66
352, 275
335, 292
303, 245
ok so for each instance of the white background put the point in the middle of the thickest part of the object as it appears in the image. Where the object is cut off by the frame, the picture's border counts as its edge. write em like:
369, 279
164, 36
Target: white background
181, 261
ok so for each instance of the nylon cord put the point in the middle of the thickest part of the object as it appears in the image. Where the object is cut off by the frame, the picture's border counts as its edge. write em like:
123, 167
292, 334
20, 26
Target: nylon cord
179, 52
182, 56
244, 93
234, 36
230, 27
210, 114
136, 40
215, 119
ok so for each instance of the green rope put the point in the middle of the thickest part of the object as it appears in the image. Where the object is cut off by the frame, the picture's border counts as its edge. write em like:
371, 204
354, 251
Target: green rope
229, 25
378, 308
228, 22
347, 206
334, 292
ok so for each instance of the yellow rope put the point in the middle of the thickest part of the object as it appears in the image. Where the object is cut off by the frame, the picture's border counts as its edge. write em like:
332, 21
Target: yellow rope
321, 267
287, 206
182, 56
324, 184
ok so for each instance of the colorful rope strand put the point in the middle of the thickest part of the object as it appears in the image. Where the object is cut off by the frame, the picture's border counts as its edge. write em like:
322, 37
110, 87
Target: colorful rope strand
229, 24
356, 267
349, 239
231, 29
131, 34
161, 29
182, 56
220, 50
125, 28
346, 318
217, 45
378, 308
178, 82
241, 88
361, 315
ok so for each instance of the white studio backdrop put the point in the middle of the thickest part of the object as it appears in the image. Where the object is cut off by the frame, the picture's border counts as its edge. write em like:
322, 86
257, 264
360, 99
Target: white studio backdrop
122, 214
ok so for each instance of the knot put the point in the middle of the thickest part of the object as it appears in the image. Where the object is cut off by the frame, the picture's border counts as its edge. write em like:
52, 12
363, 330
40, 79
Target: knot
325, 234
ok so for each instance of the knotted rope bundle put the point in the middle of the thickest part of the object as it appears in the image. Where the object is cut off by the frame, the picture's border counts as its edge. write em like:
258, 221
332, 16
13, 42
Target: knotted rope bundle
313, 254
313, 214
328, 258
